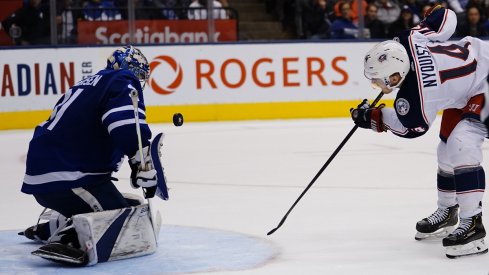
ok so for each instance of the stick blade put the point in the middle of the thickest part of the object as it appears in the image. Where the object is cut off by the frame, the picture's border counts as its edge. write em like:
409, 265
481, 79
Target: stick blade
272, 231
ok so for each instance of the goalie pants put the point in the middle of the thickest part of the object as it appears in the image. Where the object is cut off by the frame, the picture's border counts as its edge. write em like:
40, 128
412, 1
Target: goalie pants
92, 198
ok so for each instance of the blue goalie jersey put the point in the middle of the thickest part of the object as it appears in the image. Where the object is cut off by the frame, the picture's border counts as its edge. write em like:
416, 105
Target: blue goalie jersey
90, 130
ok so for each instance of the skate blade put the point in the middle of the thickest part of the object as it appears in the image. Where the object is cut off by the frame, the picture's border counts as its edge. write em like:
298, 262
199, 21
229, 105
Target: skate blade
60, 257
472, 248
440, 234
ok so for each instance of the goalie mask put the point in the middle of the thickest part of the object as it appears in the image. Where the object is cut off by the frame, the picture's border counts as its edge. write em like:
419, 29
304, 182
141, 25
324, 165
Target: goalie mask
384, 60
130, 58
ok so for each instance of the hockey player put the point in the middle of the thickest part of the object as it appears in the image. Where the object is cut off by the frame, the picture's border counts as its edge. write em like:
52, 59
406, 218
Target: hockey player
72, 156
432, 75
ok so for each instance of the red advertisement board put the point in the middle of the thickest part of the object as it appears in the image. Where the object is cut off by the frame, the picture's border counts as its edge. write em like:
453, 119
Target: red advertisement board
155, 31
8, 7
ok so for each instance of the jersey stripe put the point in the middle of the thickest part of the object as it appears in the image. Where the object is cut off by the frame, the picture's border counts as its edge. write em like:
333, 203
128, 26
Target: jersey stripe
122, 108
458, 72
418, 74
119, 123
57, 176
403, 133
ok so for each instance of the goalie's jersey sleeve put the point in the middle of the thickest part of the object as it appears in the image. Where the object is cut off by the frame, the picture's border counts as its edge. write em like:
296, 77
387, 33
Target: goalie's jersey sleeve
442, 75
89, 131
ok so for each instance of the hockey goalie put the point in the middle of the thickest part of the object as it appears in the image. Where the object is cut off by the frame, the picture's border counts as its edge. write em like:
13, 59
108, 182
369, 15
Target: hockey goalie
71, 159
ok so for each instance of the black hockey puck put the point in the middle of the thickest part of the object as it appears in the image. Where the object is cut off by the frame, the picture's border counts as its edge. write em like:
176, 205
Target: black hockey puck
177, 119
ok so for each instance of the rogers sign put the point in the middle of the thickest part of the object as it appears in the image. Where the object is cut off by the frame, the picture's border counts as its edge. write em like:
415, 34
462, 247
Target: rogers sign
175, 80
167, 74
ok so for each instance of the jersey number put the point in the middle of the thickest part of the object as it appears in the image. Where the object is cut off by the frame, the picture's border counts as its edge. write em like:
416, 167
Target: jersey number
459, 52
60, 108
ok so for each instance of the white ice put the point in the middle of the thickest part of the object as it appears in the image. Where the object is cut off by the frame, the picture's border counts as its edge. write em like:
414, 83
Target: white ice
358, 218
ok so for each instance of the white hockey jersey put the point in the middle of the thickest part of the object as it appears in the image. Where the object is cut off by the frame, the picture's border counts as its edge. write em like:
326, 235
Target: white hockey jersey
443, 74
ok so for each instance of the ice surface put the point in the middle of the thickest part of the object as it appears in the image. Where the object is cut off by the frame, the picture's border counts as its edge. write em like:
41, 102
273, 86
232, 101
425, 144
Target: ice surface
242, 177
182, 250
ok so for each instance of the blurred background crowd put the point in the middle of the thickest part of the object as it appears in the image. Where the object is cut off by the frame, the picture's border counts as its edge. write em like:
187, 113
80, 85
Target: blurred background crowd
339, 19
31, 22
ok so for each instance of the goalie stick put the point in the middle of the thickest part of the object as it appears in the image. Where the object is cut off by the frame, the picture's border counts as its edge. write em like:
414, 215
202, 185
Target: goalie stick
134, 99
377, 99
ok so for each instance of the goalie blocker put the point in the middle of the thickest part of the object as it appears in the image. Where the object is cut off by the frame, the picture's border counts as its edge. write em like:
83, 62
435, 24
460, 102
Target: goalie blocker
106, 236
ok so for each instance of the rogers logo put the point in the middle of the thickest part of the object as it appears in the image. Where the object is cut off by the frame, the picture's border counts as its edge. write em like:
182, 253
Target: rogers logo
162, 81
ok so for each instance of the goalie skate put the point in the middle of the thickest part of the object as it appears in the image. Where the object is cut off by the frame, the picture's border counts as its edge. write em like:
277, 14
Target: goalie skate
32, 233
41, 231
62, 253
438, 225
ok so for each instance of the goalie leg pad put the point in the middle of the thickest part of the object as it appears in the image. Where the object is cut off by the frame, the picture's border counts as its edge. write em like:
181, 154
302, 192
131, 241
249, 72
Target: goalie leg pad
116, 234
133, 199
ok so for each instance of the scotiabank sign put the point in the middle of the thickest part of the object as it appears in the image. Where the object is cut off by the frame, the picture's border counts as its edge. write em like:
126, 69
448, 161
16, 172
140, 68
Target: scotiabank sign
155, 31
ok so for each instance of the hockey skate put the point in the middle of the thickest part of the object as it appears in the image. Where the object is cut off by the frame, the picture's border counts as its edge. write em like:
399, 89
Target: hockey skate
63, 248
41, 232
467, 239
35, 233
62, 253
438, 225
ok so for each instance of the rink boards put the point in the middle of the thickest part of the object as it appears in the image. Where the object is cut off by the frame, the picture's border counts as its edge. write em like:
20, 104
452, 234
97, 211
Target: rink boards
203, 82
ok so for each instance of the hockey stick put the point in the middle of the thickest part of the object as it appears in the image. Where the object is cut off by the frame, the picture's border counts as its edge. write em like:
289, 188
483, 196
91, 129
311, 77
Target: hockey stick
322, 168
134, 99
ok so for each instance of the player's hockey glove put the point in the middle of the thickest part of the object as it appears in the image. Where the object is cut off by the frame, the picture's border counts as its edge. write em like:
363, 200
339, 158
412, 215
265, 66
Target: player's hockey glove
431, 10
149, 173
430, 17
369, 118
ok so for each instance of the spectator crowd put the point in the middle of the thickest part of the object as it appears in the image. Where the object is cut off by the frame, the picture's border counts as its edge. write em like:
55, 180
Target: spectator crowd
339, 19
30, 24
309, 19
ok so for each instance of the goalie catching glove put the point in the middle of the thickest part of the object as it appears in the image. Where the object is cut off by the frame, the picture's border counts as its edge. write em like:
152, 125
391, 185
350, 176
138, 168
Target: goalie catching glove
369, 118
149, 173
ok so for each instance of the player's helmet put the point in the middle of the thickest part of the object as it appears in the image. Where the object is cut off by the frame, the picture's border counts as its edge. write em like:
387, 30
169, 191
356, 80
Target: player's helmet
386, 59
131, 58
